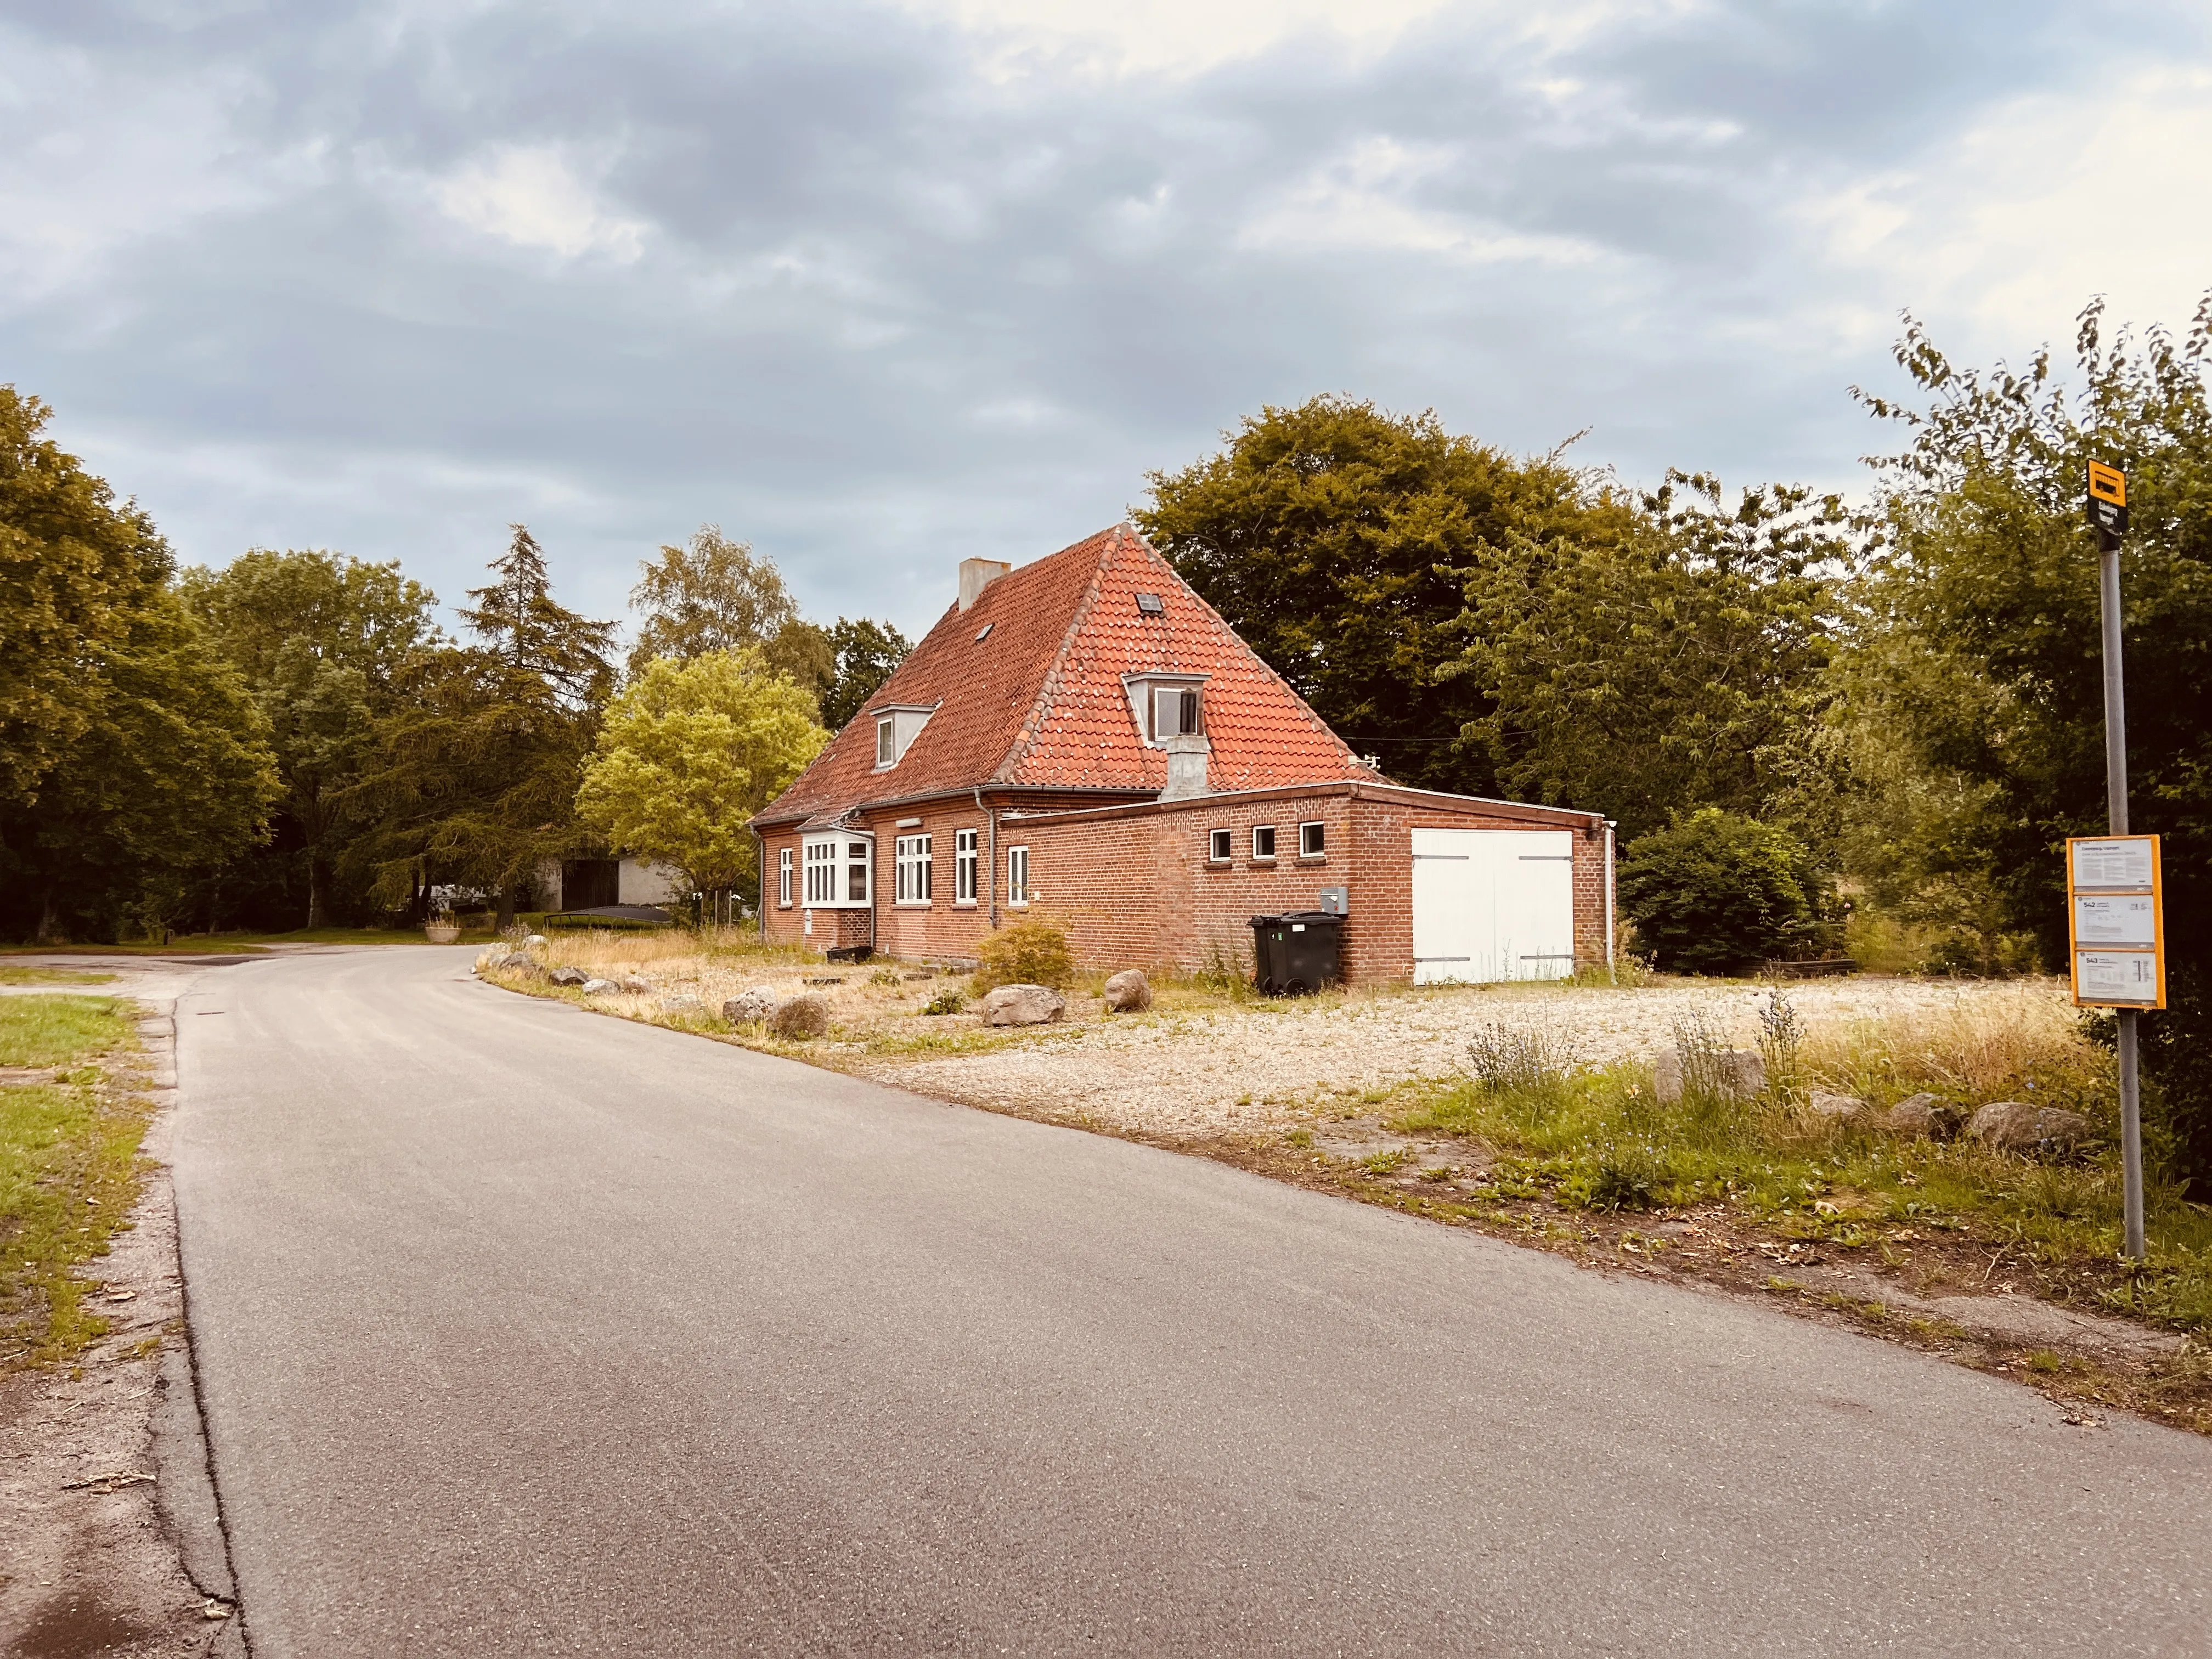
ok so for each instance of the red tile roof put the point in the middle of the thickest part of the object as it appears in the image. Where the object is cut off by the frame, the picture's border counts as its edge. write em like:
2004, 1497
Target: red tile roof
1039, 703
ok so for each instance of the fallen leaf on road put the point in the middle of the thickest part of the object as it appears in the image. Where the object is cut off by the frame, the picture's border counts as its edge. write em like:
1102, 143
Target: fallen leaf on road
115, 1482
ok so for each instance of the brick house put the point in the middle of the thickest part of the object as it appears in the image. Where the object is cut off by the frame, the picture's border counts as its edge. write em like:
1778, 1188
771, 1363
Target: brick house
1085, 737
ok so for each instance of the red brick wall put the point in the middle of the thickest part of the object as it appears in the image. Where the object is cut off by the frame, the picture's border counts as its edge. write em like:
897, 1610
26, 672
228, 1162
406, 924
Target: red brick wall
1136, 889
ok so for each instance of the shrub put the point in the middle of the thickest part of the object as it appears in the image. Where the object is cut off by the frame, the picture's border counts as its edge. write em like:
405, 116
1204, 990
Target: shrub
1031, 951
1718, 893
947, 1002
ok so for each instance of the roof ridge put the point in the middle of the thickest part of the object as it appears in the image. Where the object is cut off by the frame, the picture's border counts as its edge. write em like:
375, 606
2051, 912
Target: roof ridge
1048, 686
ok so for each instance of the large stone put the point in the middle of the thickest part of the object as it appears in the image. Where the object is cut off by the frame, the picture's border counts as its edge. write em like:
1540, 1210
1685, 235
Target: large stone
682, 1004
518, 959
600, 987
1922, 1116
1129, 991
1738, 1071
1021, 1004
535, 942
801, 1017
636, 984
2014, 1126
750, 1006
1845, 1109
569, 977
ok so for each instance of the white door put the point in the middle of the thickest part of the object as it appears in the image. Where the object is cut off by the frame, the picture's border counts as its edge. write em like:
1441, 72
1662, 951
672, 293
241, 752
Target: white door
1493, 904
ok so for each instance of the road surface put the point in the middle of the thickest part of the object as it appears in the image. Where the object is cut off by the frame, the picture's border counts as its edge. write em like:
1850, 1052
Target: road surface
525, 1331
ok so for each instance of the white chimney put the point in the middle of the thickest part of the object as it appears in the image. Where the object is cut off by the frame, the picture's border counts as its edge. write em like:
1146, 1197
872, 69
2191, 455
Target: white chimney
1187, 766
975, 576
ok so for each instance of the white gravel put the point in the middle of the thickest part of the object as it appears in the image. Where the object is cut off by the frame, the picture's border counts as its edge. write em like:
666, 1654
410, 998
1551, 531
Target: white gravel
1267, 1064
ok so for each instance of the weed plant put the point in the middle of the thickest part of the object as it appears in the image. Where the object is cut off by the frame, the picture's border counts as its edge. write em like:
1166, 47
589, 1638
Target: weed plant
1601, 1140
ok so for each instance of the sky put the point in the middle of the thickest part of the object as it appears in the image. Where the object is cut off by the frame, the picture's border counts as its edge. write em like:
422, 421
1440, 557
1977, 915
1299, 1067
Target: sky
879, 287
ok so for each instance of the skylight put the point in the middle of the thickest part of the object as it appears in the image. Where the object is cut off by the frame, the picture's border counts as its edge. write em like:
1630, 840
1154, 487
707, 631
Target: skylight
1150, 604
984, 632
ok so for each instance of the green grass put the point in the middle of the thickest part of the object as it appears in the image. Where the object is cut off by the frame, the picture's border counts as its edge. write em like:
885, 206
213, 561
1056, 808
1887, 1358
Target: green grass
52, 976
69, 1168
1600, 1140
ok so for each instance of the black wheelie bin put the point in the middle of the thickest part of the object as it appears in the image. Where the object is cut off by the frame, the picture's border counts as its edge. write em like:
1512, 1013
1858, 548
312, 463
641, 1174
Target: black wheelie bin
1295, 955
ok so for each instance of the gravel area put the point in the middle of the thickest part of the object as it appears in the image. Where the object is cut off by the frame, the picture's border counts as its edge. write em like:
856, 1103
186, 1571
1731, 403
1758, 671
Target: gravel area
1266, 1064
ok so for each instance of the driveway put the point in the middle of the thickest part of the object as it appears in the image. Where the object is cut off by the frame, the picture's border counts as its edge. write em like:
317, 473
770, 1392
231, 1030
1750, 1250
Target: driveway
525, 1331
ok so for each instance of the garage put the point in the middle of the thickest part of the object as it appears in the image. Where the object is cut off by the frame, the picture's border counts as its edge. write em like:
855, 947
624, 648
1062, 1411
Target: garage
1492, 904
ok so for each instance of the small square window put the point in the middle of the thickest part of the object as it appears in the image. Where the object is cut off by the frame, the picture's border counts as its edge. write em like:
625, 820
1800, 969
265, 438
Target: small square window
1263, 841
1313, 840
1149, 605
1217, 848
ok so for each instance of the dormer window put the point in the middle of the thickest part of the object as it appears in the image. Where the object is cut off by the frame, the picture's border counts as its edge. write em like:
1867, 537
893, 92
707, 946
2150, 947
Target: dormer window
1167, 705
896, 727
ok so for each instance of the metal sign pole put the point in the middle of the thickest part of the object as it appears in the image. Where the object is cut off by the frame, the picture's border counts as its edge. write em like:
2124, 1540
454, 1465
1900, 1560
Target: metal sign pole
2110, 524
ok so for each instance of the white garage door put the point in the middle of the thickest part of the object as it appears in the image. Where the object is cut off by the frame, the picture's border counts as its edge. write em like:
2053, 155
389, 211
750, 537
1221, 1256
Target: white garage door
1493, 904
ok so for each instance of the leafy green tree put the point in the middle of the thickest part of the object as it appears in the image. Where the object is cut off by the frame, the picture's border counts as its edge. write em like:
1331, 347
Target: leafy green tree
75, 566
867, 653
320, 639
1718, 893
715, 594
1681, 664
1990, 585
688, 753
477, 765
1340, 540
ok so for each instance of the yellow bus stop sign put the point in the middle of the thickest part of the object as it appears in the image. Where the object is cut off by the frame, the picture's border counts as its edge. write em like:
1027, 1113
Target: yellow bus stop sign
2107, 483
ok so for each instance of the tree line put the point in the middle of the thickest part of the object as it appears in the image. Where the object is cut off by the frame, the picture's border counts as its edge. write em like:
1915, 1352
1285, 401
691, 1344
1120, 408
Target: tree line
294, 741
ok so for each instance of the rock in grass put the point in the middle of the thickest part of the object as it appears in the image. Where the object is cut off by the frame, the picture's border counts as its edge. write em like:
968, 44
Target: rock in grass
682, 1004
750, 1006
1738, 1071
1846, 1109
1021, 1004
1129, 991
2013, 1125
800, 1017
568, 977
600, 987
1922, 1116
637, 984
535, 942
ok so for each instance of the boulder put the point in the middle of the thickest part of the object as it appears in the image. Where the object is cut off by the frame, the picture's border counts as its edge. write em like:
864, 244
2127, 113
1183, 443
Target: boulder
1022, 1004
1848, 1109
1129, 991
569, 977
2014, 1126
1923, 1115
681, 1004
535, 942
754, 1004
801, 1017
1740, 1072
600, 987
518, 959
636, 984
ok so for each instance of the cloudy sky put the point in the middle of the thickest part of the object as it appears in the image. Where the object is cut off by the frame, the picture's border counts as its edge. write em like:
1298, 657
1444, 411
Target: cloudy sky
878, 287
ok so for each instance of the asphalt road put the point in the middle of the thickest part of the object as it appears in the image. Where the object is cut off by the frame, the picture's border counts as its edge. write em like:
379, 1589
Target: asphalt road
523, 1330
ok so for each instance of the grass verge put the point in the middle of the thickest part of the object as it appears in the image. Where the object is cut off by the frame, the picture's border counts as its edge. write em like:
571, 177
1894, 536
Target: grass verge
52, 976
69, 1166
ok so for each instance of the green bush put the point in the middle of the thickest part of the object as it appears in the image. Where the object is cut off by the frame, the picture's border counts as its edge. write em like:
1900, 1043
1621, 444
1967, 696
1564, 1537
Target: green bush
947, 1002
1031, 951
1718, 893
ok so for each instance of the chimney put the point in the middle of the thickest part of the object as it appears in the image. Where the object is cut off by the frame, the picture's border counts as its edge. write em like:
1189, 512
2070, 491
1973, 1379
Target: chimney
975, 576
1187, 767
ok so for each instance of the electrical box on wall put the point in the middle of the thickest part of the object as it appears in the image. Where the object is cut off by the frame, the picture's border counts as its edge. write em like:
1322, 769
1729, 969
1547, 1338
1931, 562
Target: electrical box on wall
1335, 901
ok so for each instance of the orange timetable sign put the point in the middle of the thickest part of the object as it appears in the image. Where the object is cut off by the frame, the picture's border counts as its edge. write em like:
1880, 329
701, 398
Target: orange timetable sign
2115, 905
2108, 483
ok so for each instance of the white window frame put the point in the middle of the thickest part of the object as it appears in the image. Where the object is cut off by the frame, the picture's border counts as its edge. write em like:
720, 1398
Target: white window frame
886, 743
834, 862
1268, 831
897, 725
1145, 691
963, 866
1018, 878
1220, 846
783, 879
910, 856
1320, 834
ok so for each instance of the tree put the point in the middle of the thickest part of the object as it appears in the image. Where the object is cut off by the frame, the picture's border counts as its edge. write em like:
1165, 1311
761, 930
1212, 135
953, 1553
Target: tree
477, 765
320, 639
74, 569
1990, 585
1340, 540
1718, 893
689, 752
867, 653
1678, 665
715, 594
